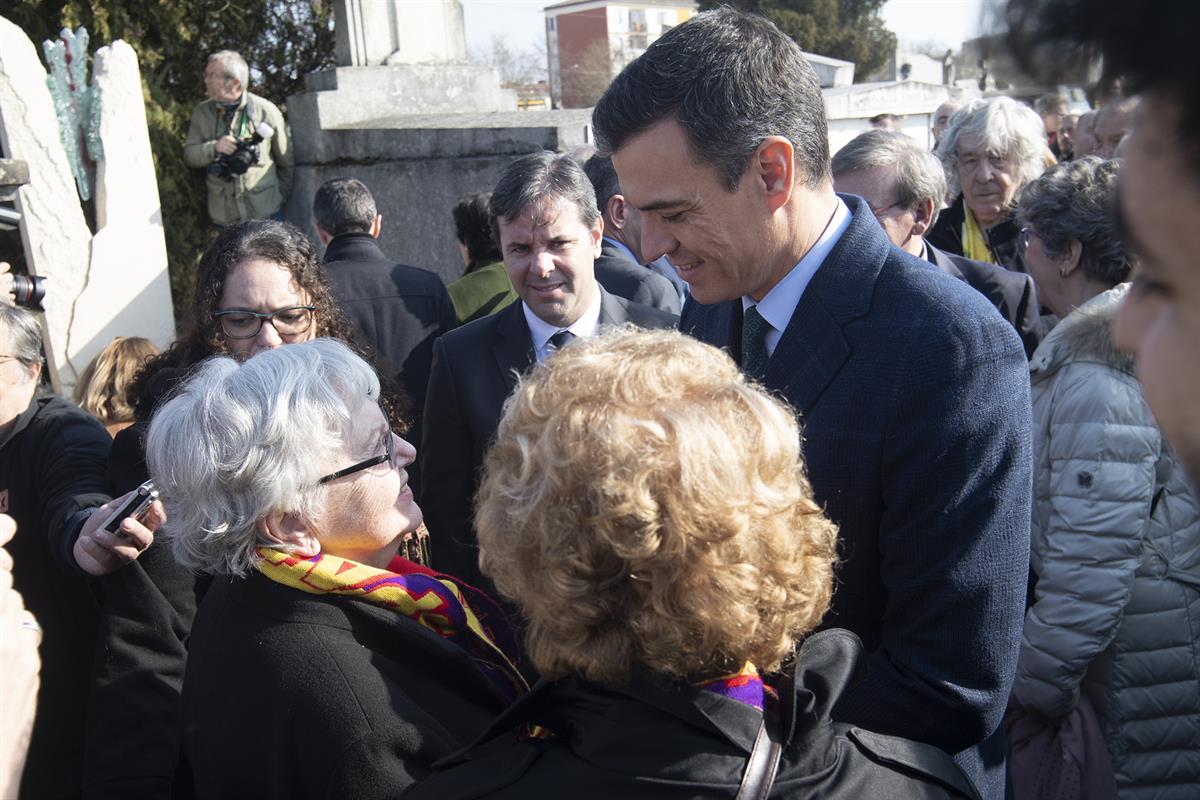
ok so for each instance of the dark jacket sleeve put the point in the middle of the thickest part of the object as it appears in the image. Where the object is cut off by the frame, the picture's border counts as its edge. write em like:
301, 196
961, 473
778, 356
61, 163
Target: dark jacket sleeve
953, 538
448, 479
657, 292
133, 716
71, 479
1029, 318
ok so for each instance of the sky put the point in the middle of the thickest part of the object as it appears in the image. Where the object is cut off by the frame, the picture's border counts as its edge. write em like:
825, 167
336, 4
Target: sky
521, 22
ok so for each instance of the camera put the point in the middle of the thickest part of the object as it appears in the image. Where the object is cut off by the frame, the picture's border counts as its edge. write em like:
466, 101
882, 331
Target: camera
244, 157
29, 291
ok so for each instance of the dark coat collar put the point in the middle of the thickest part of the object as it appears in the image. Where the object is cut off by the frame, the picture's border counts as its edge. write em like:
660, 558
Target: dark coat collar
354, 247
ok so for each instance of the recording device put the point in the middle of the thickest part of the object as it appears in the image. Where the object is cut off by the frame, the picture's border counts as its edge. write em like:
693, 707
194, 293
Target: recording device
29, 291
136, 506
244, 157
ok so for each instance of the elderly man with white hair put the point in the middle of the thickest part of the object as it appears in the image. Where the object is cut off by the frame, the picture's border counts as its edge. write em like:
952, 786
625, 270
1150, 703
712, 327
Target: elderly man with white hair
904, 186
991, 149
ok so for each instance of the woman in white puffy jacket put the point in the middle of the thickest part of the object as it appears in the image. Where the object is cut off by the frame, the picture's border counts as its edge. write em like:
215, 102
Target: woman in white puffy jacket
1115, 532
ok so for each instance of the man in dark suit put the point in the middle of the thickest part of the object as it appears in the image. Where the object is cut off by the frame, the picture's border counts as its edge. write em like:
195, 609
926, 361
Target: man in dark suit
398, 309
904, 186
913, 392
619, 267
549, 232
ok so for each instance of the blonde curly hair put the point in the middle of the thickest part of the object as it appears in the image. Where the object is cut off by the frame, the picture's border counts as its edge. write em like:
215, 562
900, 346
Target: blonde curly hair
644, 504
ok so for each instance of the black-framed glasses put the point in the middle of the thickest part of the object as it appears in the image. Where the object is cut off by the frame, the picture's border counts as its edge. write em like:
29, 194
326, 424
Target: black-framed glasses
238, 323
388, 455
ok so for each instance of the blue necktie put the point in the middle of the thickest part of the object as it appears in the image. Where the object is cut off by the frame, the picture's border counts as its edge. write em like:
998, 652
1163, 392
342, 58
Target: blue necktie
561, 339
754, 343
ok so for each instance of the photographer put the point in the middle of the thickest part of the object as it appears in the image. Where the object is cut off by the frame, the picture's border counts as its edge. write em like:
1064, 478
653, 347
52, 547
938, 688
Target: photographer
242, 142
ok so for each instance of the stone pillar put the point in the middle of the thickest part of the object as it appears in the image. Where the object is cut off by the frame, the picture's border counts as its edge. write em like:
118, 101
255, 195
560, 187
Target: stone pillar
373, 33
115, 284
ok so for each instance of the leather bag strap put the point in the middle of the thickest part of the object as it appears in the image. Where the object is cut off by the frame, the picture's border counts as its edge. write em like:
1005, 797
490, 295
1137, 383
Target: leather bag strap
774, 733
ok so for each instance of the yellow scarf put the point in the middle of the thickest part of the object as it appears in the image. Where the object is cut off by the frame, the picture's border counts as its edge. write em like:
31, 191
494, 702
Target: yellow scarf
975, 245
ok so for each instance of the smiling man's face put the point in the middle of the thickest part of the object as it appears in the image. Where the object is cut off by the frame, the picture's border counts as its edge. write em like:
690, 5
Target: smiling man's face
550, 254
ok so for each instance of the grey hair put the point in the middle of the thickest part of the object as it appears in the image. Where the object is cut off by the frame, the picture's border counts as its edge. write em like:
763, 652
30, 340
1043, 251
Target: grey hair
240, 441
1075, 202
24, 333
344, 205
730, 79
919, 175
1049, 103
539, 178
1006, 128
234, 65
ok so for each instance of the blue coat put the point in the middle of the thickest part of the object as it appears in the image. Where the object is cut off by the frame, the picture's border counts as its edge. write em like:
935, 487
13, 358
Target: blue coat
914, 397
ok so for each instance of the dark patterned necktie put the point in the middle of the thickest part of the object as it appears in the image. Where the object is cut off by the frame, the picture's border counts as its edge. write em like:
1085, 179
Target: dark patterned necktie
561, 339
754, 343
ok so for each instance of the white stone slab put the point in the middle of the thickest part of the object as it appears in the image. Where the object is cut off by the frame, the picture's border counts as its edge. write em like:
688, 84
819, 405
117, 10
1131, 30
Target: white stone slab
376, 32
55, 236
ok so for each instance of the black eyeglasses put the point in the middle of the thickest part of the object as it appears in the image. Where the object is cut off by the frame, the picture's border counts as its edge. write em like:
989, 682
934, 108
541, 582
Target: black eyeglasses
388, 455
239, 323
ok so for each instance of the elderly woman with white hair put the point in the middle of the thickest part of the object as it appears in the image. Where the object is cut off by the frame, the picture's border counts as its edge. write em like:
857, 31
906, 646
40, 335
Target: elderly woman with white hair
321, 663
991, 149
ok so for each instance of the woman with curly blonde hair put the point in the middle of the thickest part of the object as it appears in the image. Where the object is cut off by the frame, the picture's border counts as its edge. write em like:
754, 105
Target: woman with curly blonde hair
103, 388
645, 507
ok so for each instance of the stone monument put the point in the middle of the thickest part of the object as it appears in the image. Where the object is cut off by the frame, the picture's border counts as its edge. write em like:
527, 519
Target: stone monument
404, 113
98, 286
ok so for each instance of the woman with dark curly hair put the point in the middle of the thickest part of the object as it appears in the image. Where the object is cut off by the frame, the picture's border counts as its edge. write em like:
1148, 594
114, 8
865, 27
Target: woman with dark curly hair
646, 508
260, 285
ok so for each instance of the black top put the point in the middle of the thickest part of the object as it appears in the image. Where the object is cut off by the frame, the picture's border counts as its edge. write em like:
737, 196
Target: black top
52, 465
1001, 238
293, 695
655, 738
624, 277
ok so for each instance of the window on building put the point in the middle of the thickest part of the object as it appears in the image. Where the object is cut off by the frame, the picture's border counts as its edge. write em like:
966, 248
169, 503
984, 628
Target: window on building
637, 20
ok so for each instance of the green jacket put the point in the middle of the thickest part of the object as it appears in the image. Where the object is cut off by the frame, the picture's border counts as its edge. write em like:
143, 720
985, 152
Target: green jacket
265, 187
482, 291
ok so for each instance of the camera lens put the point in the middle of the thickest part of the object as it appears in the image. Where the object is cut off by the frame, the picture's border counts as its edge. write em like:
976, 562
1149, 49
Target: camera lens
29, 291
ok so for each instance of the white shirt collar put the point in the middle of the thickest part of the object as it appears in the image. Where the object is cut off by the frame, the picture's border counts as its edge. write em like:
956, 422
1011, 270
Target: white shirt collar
540, 331
625, 251
779, 304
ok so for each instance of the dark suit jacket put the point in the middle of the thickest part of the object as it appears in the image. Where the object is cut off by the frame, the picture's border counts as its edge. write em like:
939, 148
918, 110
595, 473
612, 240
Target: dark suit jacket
303, 696
621, 276
474, 370
914, 395
398, 309
1012, 293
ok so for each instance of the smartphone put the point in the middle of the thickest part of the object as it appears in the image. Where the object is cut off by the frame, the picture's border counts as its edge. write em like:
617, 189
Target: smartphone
135, 507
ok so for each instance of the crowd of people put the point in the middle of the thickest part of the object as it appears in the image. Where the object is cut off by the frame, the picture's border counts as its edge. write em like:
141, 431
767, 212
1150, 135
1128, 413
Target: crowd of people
730, 467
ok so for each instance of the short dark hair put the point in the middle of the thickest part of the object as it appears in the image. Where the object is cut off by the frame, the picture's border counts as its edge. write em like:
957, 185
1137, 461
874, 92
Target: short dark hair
537, 178
473, 227
1075, 201
603, 175
1149, 46
344, 205
886, 116
730, 79
1049, 103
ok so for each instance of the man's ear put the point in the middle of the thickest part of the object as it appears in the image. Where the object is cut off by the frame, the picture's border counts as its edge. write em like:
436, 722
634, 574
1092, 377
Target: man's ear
617, 211
290, 530
922, 217
774, 166
377, 225
322, 234
597, 233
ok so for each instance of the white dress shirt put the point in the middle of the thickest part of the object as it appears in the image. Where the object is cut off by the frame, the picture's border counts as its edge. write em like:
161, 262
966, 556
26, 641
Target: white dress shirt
540, 331
780, 303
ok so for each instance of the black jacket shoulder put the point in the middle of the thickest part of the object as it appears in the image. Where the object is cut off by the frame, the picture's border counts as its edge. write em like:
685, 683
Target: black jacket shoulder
655, 738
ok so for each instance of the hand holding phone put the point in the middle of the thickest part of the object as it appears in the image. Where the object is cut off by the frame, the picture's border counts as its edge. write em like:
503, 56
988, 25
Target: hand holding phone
136, 506
107, 542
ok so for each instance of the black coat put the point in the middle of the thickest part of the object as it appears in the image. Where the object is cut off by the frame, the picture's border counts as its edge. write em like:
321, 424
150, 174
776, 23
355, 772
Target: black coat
914, 394
474, 370
659, 740
620, 275
1014, 294
946, 235
292, 695
399, 310
52, 465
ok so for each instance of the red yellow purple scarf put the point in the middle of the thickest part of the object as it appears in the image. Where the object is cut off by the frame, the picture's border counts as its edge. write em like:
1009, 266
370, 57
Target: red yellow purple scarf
745, 686
430, 599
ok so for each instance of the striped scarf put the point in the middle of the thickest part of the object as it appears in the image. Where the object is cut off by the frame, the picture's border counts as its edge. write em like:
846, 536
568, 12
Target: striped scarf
434, 601
745, 686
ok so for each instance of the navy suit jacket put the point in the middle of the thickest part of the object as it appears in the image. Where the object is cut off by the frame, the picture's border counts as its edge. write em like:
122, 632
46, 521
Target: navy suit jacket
1012, 293
624, 277
475, 369
914, 398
